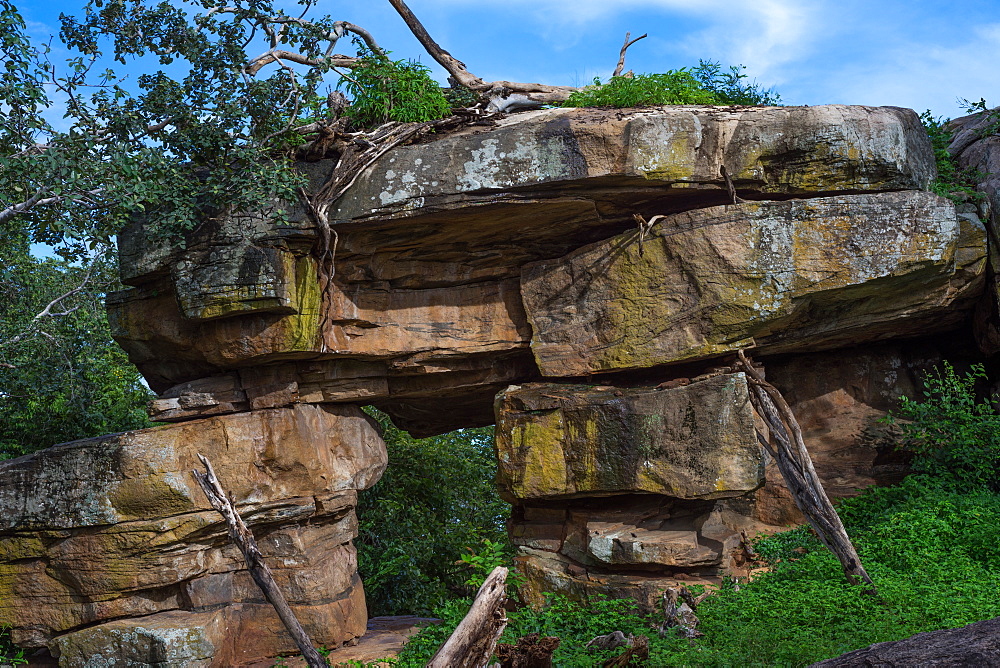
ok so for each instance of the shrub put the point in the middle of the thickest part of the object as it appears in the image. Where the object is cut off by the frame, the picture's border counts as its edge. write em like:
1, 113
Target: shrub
705, 84
671, 87
385, 90
953, 435
729, 86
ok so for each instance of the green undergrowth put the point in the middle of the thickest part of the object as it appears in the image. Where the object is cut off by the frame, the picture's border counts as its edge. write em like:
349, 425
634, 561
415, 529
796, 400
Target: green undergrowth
708, 83
10, 654
931, 545
931, 550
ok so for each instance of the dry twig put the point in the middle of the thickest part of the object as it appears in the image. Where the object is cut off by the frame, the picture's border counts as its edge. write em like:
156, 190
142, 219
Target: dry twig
621, 56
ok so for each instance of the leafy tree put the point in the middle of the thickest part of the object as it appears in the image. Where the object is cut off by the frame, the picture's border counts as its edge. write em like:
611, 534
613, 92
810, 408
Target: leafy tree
954, 435
61, 375
436, 501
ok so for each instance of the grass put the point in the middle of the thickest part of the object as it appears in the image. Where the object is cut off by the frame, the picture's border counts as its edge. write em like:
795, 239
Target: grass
932, 550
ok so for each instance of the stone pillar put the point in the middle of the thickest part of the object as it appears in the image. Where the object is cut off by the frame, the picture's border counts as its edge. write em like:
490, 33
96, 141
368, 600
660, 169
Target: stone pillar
110, 552
623, 491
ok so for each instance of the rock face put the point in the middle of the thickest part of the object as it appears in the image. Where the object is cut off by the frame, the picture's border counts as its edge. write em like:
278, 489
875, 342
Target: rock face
976, 149
796, 275
116, 527
616, 488
496, 274
428, 302
971, 645
573, 441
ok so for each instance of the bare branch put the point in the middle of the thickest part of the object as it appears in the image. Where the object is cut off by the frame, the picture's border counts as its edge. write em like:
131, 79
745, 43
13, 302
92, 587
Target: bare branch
275, 56
38, 200
797, 470
621, 56
48, 312
455, 67
259, 571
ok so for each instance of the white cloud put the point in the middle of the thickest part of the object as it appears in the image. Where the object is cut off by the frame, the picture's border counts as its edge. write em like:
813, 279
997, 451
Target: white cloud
917, 75
761, 34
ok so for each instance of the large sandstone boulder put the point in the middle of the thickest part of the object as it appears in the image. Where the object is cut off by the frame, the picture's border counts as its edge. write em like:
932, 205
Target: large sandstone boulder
615, 488
976, 149
431, 244
798, 275
566, 441
778, 150
116, 527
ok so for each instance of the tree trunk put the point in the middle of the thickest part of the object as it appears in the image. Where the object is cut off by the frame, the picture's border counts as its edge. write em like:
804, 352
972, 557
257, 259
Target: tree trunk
474, 639
261, 574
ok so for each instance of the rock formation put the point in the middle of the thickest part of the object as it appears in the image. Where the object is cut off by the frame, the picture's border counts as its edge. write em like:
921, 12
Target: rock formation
110, 548
968, 646
497, 271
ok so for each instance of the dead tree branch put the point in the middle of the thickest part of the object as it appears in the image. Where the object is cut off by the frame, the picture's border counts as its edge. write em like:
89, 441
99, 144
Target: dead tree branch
39, 200
621, 56
50, 311
789, 451
539, 93
730, 187
259, 571
472, 643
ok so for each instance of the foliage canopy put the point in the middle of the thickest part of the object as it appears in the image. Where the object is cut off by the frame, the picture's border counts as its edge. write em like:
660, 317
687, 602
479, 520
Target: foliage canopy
61, 377
435, 502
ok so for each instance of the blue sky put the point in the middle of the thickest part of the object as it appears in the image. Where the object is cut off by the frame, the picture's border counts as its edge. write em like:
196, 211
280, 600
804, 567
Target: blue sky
917, 54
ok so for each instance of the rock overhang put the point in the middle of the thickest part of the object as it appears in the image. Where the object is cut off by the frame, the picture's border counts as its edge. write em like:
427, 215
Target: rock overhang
436, 240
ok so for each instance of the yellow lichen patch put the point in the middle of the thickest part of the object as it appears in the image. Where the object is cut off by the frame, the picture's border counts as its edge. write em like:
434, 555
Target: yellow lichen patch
673, 162
538, 441
148, 496
16, 547
302, 328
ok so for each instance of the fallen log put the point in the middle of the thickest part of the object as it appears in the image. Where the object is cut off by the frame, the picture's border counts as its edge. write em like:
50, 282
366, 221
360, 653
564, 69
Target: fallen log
261, 574
788, 449
472, 643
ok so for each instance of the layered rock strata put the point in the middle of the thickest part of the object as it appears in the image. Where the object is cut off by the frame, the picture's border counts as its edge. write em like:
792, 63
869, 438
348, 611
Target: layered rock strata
429, 302
617, 489
500, 269
96, 533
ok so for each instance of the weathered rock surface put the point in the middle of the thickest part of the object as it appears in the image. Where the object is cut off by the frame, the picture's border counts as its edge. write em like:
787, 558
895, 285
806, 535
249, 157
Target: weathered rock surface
115, 527
971, 646
562, 441
614, 488
779, 150
431, 245
976, 148
789, 276
464, 265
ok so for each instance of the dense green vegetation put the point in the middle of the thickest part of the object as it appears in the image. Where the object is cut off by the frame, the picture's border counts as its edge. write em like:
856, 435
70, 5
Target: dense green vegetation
382, 90
61, 377
930, 544
707, 83
436, 501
